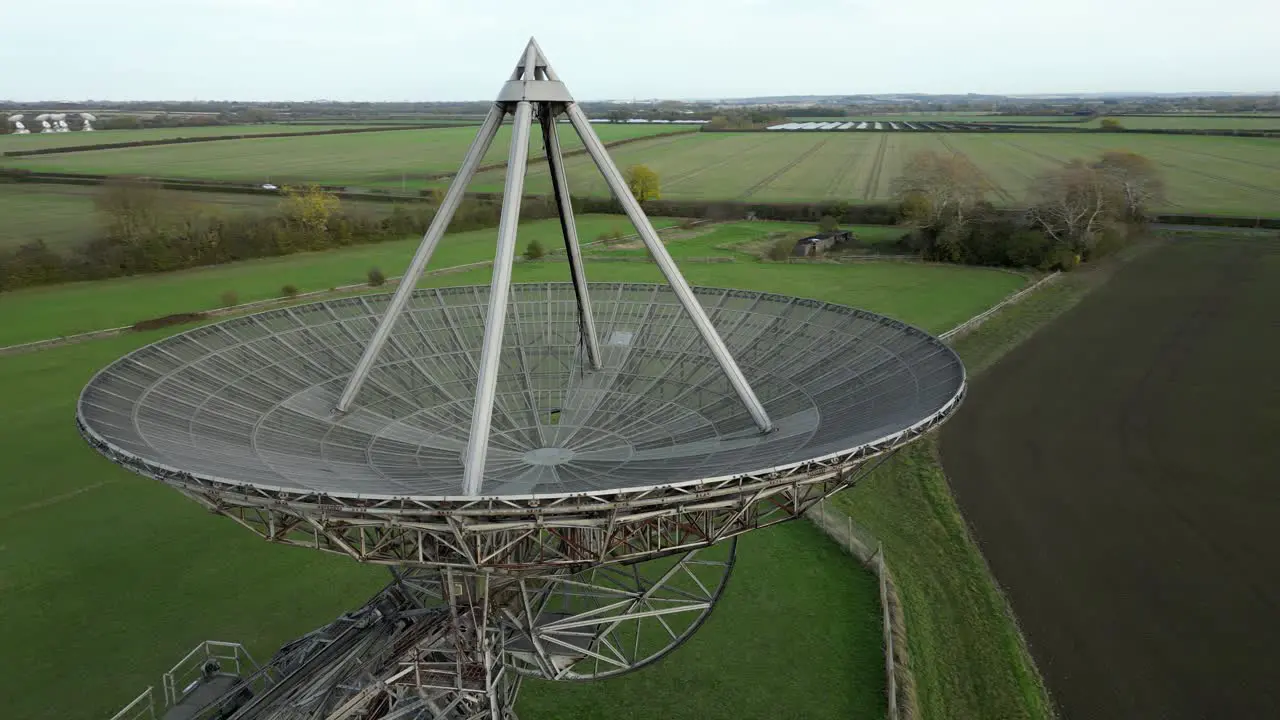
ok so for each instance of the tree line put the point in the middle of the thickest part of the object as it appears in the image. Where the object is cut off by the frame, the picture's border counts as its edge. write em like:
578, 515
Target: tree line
1078, 212
145, 229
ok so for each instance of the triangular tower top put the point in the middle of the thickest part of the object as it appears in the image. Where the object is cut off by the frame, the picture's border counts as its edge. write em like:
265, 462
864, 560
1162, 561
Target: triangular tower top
533, 80
535, 92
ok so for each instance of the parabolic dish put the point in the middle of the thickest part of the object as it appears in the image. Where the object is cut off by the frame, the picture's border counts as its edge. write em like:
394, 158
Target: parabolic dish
248, 401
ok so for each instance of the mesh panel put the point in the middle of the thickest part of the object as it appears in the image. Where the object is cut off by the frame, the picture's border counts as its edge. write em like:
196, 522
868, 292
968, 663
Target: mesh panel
249, 400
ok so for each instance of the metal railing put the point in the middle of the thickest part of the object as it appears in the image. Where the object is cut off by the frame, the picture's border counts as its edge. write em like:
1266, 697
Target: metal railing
232, 658
143, 707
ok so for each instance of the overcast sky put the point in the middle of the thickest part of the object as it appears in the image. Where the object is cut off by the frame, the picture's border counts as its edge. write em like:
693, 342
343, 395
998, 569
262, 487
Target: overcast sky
463, 49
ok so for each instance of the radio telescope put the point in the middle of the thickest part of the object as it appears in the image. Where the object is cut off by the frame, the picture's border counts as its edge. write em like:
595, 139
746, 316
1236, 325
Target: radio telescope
554, 473
18, 127
43, 119
87, 120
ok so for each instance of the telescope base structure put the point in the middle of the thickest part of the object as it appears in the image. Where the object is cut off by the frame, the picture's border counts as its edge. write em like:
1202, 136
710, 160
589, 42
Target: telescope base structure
451, 645
534, 534
556, 473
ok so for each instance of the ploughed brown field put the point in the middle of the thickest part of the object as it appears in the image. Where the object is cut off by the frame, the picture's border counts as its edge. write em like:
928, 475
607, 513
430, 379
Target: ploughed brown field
1121, 471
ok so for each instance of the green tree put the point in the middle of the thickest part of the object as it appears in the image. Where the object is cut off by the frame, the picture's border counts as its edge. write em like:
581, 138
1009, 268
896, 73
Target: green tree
782, 248
534, 250
828, 224
643, 182
1111, 124
308, 211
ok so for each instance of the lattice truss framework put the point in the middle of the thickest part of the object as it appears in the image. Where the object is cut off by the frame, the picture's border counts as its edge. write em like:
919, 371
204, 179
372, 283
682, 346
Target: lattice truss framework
446, 645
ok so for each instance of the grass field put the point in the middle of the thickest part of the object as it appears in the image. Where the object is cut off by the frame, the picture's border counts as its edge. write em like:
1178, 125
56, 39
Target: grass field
38, 140
1194, 122
737, 240
70, 308
903, 289
359, 160
1203, 174
1225, 175
109, 578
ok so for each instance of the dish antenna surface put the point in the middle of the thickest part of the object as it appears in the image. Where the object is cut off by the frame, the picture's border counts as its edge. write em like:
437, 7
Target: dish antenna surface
555, 473
18, 127
87, 120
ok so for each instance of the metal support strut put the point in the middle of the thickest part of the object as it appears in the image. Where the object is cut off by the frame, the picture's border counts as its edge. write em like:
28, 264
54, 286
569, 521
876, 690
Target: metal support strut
668, 267
534, 82
440, 223
560, 186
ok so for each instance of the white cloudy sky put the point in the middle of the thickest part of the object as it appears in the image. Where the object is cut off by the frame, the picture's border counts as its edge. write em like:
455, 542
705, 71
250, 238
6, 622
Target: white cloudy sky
463, 49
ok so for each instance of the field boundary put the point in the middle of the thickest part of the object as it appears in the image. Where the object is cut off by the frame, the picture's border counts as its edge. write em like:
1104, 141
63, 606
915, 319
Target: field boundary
214, 138
859, 213
903, 703
977, 320
268, 303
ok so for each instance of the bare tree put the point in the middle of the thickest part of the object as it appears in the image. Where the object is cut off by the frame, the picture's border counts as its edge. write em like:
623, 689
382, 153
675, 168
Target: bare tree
1072, 204
937, 189
1135, 179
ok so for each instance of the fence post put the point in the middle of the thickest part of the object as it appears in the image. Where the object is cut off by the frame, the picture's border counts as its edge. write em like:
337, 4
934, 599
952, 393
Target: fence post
891, 681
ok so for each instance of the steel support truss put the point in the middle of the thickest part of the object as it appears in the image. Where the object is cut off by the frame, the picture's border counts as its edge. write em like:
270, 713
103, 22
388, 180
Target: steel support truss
534, 92
449, 645
534, 533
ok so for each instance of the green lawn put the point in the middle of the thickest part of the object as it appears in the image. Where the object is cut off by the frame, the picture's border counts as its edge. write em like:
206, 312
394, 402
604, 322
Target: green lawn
71, 308
98, 563
738, 240
797, 634
937, 297
360, 160
114, 577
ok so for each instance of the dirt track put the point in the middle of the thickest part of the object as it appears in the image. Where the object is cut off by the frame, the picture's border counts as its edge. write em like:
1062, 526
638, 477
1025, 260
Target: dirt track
1121, 471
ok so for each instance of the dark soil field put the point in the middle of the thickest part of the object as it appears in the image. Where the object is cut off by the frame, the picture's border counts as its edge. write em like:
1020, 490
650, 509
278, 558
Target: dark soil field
1121, 471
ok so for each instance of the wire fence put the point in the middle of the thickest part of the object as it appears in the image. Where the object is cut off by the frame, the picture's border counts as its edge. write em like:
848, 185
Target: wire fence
972, 323
861, 544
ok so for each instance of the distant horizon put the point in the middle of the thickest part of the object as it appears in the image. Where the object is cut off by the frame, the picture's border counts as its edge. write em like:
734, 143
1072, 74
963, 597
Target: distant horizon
885, 97
399, 50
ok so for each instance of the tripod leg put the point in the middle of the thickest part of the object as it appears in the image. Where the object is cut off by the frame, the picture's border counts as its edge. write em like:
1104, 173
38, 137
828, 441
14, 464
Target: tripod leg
668, 267
560, 185
440, 223
500, 288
